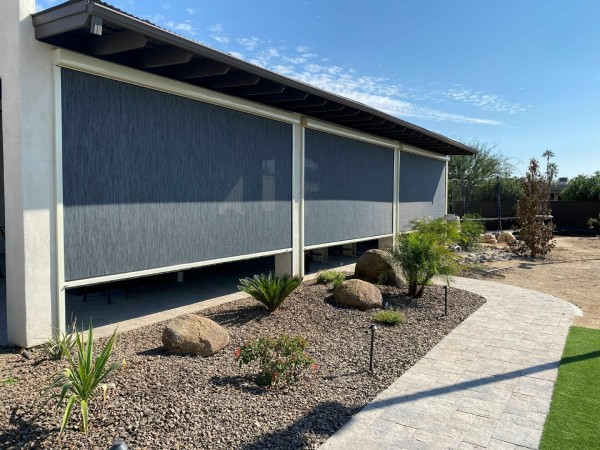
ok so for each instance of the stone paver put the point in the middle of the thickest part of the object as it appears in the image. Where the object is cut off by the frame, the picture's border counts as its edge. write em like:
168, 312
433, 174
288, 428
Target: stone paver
488, 384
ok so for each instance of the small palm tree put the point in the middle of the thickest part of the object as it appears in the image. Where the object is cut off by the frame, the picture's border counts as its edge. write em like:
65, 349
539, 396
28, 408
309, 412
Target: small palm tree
270, 289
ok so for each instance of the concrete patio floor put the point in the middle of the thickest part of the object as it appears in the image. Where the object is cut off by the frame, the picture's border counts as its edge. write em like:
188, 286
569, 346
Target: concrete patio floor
157, 302
488, 384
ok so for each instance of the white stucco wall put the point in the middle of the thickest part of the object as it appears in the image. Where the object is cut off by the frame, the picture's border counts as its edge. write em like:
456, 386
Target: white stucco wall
28, 135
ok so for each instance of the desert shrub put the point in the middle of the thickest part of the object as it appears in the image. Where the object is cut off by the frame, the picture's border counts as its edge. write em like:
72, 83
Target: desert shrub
281, 359
80, 380
470, 230
443, 231
583, 187
593, 223
388, 317
60, 343
331, 276
422, 255
532, 211
271, 290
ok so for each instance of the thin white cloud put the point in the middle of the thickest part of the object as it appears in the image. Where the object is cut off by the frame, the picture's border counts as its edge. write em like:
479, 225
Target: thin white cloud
192, 11
157, 19
486, 102
383, 94
249, 43
376, 92
237, 55
220, 39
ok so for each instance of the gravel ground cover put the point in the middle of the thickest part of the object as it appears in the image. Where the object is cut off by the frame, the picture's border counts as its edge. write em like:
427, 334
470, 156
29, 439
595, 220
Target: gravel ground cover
186, 402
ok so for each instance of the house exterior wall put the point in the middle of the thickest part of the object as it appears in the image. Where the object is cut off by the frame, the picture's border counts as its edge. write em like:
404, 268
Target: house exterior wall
28, 135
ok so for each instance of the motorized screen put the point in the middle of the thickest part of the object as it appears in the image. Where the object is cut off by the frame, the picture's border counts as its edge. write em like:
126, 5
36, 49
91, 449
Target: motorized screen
153, 180
422, 188
348, 189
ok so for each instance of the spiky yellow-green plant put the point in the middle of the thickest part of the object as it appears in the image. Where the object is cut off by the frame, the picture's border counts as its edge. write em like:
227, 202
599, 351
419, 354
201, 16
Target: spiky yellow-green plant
80, 380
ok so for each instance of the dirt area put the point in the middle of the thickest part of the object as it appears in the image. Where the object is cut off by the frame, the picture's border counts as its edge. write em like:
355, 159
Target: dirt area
572, 272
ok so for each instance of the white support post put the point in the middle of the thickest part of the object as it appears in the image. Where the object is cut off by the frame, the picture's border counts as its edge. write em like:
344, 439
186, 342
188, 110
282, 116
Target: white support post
447, 166
396, 207
26, 67
297, 257
283, 263
385, 243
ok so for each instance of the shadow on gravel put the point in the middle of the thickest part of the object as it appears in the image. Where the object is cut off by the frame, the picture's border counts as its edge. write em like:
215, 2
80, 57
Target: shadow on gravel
157, 351
240, 382
26, 431
347, 374
321, 422
240, 316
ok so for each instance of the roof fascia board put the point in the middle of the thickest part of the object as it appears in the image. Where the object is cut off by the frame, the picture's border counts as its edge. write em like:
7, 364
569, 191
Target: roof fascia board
94, 66
129, 22
349, 133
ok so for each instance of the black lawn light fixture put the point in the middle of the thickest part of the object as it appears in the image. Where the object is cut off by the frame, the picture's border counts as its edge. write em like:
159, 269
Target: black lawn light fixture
373, 329
445, 300
119, 445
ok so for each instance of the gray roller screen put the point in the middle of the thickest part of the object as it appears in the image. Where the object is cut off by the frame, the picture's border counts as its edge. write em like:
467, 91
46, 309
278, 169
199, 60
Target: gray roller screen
422, 188
348, 189
152, 180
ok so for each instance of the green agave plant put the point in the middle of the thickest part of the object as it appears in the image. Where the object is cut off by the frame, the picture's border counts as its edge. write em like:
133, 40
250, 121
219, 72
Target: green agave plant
80, 380
61, 343
271, 290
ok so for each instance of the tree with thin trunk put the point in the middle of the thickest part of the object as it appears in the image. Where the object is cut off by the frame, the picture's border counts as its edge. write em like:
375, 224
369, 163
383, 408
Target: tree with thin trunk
548, 154
534, 216
467, 171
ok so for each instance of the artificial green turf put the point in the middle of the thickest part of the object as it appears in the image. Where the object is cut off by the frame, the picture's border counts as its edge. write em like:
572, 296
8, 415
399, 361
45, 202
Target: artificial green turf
574, 418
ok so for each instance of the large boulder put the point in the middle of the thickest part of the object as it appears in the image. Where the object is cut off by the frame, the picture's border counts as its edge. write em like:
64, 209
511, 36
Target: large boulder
374, 265
194, 334
506, 236
487, 238
358, 294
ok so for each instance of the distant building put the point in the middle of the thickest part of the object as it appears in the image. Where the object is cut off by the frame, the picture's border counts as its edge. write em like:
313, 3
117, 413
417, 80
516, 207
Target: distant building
556, 187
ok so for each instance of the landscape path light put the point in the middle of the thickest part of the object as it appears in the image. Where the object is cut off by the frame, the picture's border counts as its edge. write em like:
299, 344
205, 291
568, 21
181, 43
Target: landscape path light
119, 445
445, 300
373, 328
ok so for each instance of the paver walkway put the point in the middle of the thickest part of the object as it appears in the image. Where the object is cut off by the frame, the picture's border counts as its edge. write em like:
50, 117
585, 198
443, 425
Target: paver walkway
488, 384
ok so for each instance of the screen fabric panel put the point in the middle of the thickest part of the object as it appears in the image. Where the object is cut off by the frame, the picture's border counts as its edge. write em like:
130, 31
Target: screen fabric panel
348, 189
422, 188
153, 180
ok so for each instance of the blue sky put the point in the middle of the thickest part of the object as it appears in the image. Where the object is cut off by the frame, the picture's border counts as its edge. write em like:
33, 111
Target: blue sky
521, 74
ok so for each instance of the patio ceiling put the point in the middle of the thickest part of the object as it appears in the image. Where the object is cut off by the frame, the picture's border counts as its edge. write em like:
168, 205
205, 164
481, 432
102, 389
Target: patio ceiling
105, 32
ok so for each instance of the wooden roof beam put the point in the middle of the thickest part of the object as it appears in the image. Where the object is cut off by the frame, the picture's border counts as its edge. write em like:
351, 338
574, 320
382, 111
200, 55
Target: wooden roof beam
202, 68
121, 41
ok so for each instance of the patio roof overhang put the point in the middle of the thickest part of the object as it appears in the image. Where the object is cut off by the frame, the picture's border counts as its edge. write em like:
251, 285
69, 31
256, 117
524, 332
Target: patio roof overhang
100, 30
